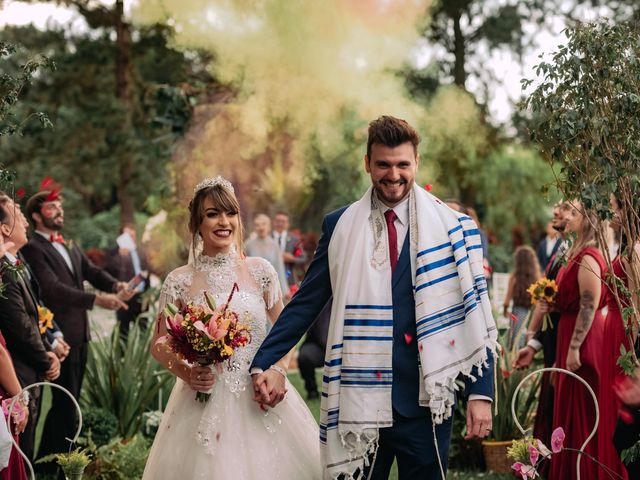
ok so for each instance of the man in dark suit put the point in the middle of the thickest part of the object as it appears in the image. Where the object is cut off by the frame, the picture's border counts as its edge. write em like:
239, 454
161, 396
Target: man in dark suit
293, 255
125, 262
549, 244
537, 339
392, 162
33, 358
61, 269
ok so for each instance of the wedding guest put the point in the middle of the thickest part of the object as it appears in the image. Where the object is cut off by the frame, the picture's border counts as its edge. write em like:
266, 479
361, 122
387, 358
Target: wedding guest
580, 298
526, 271
549, 244
293, 255
546, 340
61, 269
263, 245
9, 388
628, 429
311, 354
127, 262
33, 359
615, 336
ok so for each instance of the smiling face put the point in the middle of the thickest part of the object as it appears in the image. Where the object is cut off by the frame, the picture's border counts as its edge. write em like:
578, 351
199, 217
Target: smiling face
392, 170
51, 215
218, 228
574, 218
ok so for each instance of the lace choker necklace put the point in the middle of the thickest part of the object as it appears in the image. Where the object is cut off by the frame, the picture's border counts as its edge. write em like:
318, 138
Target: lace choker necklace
218, 260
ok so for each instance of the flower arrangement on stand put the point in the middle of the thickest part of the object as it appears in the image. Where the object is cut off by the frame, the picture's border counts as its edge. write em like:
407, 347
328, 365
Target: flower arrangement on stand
73, 463
528, 452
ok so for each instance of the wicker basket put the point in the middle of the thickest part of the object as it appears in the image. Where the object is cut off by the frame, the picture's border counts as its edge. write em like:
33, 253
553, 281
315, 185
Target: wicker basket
495, 456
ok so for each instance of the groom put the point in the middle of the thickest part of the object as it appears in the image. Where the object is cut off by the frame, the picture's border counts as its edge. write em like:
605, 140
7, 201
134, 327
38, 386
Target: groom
409, 313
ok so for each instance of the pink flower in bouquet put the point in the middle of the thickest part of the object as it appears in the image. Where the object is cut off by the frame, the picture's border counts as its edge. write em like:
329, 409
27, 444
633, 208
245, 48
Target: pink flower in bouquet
175, 322
533, 454
542, 448
525, 471
557, 440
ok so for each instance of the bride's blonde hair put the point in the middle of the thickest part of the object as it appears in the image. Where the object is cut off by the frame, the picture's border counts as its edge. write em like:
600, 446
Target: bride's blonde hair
224, 200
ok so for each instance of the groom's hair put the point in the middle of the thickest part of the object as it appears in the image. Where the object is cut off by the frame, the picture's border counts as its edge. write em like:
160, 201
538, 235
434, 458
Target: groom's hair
391, 132
34, 205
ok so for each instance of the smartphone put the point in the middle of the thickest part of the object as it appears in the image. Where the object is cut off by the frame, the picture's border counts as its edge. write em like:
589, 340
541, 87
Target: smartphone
136, 282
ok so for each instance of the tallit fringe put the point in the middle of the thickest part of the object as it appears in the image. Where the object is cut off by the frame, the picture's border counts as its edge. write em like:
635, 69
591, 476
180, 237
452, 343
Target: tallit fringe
441, 399
370, 449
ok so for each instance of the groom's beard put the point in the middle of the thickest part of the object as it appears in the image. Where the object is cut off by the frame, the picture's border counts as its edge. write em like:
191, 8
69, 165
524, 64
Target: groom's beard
51, 224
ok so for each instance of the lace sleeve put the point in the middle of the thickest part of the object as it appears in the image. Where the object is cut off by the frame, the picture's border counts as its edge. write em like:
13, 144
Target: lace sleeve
168, 292
267, 278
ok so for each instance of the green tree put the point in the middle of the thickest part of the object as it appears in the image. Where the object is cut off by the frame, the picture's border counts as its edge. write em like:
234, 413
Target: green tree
85, 149
585, 119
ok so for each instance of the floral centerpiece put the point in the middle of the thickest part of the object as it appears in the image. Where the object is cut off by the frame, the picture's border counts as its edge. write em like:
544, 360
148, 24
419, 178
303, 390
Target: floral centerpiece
205, 334
529, 452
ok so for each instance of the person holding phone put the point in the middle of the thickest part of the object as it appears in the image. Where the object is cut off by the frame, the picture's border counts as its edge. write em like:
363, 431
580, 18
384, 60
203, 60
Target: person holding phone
127, 263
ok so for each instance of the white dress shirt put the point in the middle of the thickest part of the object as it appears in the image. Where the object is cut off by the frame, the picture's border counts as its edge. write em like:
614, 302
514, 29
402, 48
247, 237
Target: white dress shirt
62, 250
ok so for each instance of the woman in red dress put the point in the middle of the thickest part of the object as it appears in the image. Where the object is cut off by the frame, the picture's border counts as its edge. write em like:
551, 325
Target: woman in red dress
581, 295
615, 336
9, 387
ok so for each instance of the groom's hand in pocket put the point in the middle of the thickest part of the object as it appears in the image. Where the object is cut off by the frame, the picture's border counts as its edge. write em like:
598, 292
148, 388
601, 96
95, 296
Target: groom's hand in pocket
269, 387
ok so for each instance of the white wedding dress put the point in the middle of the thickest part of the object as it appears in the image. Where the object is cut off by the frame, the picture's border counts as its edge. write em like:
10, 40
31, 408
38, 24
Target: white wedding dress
229, 437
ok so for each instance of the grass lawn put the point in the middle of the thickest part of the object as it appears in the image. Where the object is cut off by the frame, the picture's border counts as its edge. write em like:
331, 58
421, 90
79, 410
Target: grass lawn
314, 406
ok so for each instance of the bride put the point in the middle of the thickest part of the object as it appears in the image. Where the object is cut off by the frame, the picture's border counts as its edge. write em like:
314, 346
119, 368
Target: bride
230, 436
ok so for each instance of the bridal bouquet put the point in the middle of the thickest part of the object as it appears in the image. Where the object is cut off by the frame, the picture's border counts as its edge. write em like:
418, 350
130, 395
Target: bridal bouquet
543, 289
205, 334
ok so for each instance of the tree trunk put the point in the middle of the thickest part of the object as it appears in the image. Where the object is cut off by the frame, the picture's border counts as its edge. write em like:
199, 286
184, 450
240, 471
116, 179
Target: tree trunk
459, 73
124, 77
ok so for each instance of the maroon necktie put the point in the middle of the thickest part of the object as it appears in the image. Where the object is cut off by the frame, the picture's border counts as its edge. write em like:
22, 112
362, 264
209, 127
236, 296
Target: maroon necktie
390, 217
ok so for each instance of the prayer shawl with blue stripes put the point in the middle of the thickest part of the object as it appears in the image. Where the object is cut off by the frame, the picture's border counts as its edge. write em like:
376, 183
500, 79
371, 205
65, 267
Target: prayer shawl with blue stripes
455, 326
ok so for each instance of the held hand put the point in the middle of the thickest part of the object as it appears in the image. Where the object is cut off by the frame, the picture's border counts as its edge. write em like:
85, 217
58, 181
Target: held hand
573, 359
110, 302
524, 358
478, 419
123, 291
201, 378
269, 387
19, 427
67, 347
543, 306
60, 351
288, 257
54, 367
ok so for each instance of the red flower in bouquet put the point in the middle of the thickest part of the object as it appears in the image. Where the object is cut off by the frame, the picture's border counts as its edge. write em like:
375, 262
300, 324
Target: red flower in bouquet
205, 334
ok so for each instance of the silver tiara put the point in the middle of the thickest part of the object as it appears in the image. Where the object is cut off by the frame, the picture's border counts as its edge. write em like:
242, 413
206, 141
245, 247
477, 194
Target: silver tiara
214, 182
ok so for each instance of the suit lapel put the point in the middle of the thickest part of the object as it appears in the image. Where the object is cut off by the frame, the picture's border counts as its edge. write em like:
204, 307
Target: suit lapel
75, 261
53, 253
27, 294
403, 262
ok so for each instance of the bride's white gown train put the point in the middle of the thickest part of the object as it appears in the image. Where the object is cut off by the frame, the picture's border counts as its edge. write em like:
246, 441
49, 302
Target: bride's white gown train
229, 437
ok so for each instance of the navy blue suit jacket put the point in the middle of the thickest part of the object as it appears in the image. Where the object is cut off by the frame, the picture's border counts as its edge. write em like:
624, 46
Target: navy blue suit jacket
314, 293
